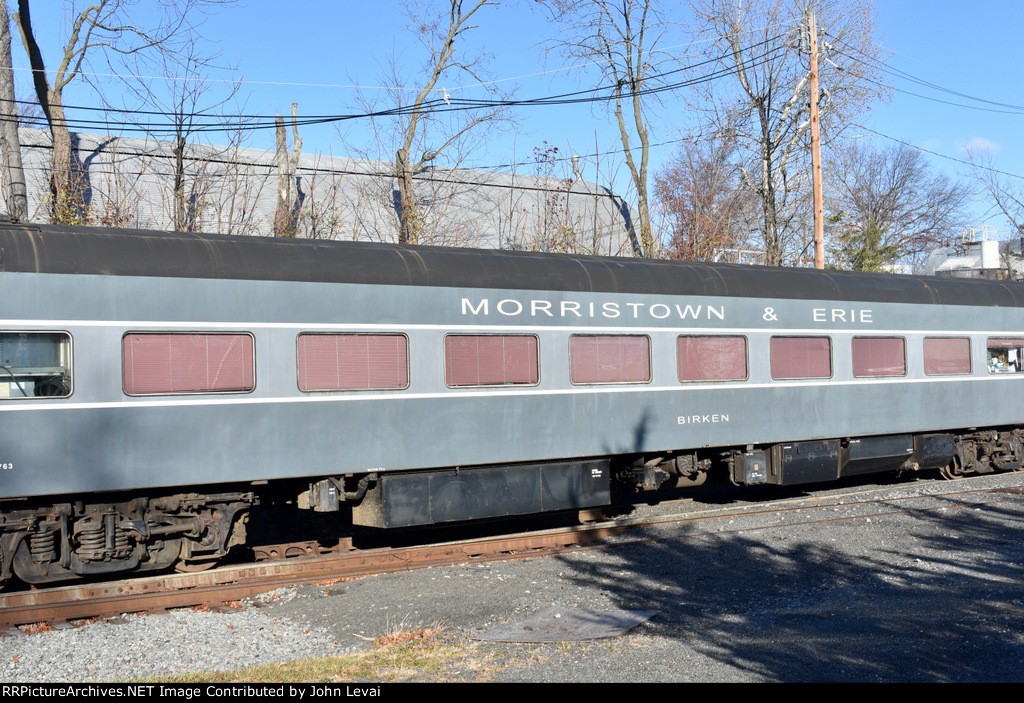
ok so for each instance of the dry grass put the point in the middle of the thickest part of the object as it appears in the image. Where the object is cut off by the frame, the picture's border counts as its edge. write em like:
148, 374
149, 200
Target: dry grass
422, 655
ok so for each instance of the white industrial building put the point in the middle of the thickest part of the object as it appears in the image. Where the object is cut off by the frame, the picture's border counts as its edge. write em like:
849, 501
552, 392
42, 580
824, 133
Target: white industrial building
982, 252
232, 190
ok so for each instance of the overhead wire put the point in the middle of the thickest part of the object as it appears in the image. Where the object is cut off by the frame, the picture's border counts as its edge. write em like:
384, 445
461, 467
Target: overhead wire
940, 155
253, 122
258, 121
435, 106
856, 54
352, 86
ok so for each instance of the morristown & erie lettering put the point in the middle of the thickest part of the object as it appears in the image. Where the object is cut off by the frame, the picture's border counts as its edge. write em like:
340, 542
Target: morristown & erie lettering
510, 307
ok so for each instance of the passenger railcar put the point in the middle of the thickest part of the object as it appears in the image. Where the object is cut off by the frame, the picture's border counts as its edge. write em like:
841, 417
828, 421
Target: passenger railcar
156, 386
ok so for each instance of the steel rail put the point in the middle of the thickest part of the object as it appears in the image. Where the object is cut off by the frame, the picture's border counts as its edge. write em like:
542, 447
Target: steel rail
235, 582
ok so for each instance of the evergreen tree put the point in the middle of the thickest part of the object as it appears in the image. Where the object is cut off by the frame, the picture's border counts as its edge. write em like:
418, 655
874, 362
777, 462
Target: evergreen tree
862, 249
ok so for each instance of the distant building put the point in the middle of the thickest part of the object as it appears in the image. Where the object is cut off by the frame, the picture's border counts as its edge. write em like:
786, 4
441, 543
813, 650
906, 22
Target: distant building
233, 190
982, 252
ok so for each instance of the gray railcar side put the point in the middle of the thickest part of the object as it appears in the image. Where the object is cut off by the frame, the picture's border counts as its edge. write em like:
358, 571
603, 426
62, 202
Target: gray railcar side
186, 458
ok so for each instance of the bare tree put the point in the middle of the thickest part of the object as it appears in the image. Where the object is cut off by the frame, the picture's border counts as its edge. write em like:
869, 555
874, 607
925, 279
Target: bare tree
16, 192
189, 100
1006, 190
620, 38
557, 224
440, 41
287, 167
889, 205
767, 110
702, 198
107, 28
1010, 255
325, 213
119, 192
610, 230
231, 190
421, 132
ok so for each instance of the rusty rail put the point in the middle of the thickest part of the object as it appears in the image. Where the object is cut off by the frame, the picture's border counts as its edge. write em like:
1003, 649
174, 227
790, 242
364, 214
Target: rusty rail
231, 583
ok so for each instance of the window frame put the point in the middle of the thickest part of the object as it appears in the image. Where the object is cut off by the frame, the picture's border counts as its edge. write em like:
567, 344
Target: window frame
771, 357
970, 355
746, 358
408, 370
202, 333
1005, 346
70, 366
444, 355
853, 365
650, 365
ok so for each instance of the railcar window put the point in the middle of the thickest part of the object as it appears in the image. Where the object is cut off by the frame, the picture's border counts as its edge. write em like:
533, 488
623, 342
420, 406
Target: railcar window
801, 357
35, 365
352, 362
707, 358
1005, 355
946, 356
193, 362
490, 360
609, 359
879, 356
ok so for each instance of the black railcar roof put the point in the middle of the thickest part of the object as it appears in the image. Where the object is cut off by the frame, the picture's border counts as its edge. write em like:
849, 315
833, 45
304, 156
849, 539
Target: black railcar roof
124, 252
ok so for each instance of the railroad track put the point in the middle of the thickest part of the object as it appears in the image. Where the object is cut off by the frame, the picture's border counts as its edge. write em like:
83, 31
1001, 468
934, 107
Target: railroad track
287, 564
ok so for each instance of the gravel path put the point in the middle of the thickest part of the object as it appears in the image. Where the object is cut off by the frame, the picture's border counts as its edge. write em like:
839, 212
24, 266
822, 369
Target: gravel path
166, 644
918, 588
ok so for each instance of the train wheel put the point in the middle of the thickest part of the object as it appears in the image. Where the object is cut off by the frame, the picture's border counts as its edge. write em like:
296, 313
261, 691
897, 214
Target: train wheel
947, 473
953, 470
192, 567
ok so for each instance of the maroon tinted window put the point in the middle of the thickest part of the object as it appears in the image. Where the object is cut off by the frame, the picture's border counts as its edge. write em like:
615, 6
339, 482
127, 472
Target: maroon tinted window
187, 363
609, 359
801, 357
490, 360
1004, 342
712, 358
352, 362
879, 356
947, 355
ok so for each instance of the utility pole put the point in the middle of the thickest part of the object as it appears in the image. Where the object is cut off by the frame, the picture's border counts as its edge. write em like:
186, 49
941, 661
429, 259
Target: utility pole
819, 207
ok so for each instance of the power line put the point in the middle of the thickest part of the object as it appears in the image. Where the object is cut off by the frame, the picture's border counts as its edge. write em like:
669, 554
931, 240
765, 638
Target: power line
434, 106
886, 67
941, 156
848, 51
350, 86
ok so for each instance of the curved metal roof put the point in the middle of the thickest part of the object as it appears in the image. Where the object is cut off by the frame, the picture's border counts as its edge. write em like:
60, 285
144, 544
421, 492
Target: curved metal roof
120, 252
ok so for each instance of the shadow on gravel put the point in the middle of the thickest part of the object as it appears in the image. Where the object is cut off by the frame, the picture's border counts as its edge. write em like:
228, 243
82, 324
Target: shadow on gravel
926, 596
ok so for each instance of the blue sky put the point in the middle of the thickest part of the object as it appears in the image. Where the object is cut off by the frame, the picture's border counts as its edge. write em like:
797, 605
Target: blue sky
311, 52
973, 48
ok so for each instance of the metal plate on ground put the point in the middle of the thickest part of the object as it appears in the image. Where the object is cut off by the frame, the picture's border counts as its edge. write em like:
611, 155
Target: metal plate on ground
569, 625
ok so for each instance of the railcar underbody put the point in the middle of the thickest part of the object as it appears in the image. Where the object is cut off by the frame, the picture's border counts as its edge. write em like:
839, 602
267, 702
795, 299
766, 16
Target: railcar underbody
156, 390
42, 541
